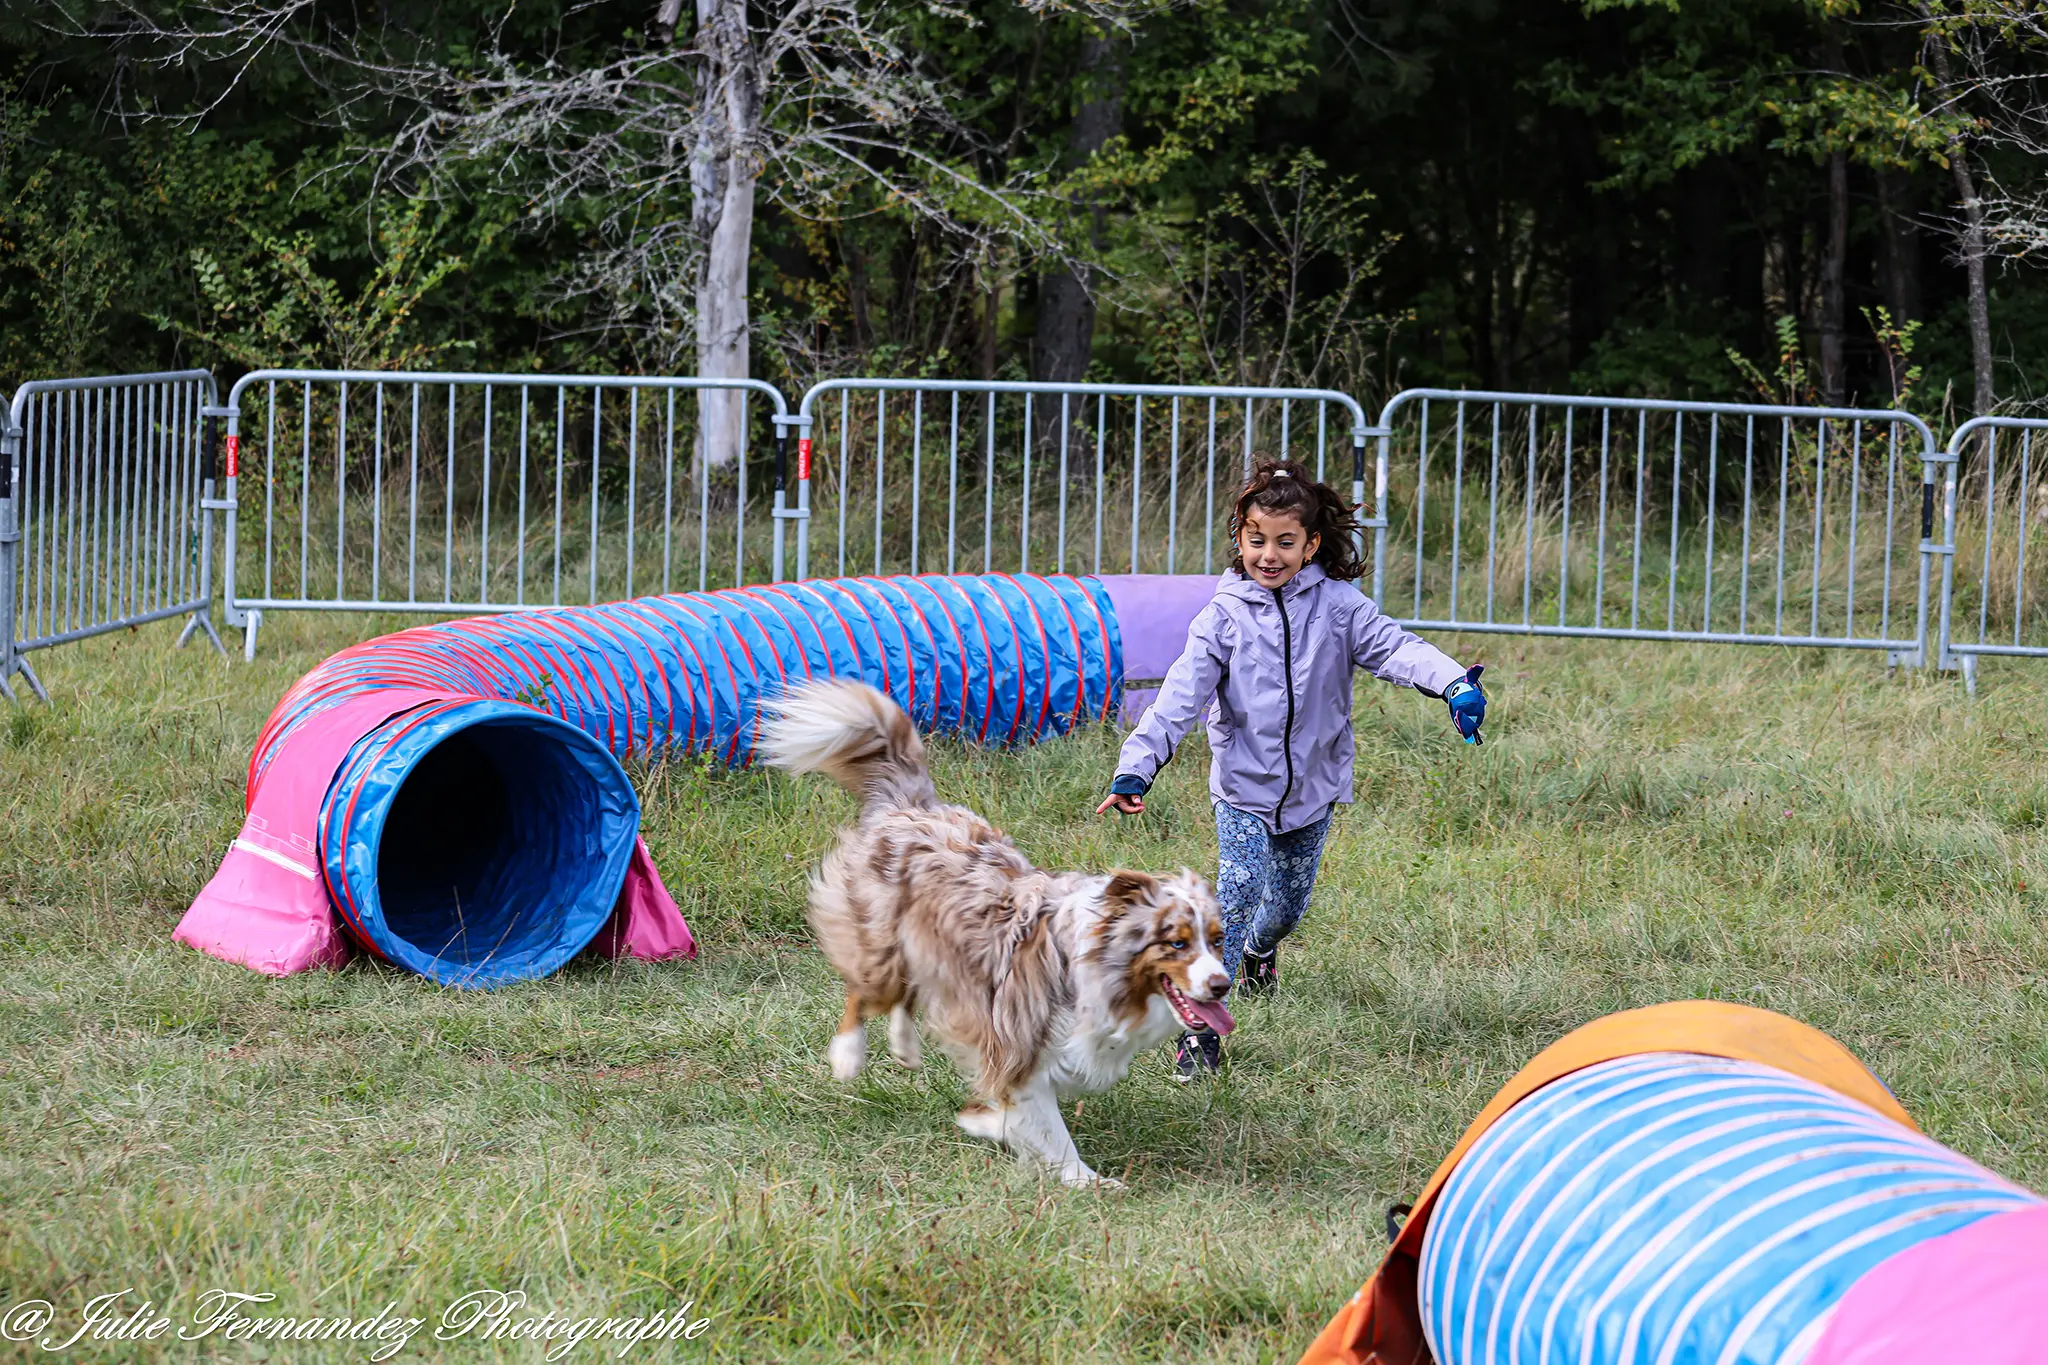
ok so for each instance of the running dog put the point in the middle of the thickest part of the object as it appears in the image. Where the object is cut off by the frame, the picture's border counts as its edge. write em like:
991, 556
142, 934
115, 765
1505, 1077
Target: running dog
1041, 985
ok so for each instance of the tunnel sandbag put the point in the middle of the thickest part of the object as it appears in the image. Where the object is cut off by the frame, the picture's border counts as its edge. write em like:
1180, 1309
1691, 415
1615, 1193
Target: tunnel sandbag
1696, 1183
997, 658
477, 842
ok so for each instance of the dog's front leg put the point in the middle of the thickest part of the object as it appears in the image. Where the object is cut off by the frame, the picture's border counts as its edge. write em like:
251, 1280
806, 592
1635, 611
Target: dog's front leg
1042, 1131
1022, 1125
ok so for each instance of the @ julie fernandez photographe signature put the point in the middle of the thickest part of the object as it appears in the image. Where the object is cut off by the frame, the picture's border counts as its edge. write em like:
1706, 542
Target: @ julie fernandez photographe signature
485, 1315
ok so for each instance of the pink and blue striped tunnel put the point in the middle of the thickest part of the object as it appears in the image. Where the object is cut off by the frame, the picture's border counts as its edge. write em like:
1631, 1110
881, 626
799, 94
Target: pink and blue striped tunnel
482, 838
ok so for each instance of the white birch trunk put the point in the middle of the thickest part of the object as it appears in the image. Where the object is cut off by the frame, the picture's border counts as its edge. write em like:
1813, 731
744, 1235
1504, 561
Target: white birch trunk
723, 169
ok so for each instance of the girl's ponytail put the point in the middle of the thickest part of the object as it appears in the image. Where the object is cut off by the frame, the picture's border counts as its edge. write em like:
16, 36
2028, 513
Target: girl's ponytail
1285, 487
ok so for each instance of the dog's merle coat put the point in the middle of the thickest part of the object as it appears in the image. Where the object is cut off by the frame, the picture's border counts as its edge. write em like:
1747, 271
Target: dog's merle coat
1041, 985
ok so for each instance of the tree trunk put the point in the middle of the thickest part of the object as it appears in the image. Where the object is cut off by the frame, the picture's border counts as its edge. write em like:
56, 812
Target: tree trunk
1973, 242
723, 171
1974, 252
1895, 200
857, 292
1591, 253
1065, 336
993, 302
1834, 384
1703, 234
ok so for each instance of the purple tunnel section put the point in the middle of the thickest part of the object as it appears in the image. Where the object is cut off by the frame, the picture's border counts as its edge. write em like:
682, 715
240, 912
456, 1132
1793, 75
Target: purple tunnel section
451, 799
1153, 611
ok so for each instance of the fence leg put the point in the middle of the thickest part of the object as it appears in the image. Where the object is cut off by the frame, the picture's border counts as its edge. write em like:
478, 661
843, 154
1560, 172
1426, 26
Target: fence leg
252, 621
35, 684
203, 620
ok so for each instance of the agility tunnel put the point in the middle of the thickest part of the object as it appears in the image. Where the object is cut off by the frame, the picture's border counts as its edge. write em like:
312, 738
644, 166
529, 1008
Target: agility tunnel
451, 798
1703, 1184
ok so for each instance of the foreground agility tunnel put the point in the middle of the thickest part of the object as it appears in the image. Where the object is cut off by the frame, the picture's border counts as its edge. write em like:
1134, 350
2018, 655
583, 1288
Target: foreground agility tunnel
1703, 1184
452, 800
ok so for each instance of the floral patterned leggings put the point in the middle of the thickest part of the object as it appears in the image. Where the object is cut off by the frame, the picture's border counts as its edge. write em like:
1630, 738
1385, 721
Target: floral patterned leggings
1262, 880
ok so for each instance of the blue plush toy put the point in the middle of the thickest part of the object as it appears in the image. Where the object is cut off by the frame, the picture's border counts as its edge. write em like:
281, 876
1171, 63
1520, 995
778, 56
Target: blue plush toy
1467, 703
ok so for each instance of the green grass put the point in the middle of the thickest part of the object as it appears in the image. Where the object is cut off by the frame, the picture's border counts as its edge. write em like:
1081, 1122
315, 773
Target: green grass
1798, 831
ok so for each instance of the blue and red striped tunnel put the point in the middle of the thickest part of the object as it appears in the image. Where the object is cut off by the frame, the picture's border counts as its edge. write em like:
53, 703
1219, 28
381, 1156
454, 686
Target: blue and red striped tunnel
453, 795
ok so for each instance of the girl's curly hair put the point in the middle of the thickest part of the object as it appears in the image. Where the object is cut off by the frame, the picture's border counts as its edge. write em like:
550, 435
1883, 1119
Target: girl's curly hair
1285, 487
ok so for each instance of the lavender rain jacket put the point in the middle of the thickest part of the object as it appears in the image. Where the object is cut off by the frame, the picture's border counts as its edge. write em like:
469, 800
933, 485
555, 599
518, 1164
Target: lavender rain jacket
1280, 728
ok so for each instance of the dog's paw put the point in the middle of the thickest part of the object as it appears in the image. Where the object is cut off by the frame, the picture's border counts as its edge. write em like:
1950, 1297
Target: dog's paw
904, 1044
1085, 1179
848, 1054
982, 1122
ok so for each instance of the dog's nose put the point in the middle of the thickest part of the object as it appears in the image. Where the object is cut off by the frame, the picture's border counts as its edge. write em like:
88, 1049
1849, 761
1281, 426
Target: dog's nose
1219, 984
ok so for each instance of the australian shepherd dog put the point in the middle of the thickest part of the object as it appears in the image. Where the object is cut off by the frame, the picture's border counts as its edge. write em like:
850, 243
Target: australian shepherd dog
1041, 985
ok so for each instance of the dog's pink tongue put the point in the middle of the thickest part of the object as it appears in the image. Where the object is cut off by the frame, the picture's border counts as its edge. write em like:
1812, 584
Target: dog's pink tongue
1212, 1013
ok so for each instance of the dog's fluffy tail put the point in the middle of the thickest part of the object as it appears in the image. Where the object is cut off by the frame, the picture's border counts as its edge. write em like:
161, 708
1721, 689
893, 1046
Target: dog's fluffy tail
855, 736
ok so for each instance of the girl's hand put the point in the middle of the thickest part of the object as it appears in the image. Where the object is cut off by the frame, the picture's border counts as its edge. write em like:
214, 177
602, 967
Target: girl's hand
1128, 805
1468, 703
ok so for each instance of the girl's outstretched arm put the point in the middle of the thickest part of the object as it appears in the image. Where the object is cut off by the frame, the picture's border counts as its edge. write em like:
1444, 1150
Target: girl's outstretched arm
1189, 685
1393, 653
1396, 654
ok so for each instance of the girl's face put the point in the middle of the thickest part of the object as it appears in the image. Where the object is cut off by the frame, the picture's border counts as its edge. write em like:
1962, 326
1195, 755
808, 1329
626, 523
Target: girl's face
1274, 546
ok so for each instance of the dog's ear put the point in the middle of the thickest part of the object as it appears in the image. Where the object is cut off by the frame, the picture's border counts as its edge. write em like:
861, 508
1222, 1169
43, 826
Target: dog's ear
1126, 889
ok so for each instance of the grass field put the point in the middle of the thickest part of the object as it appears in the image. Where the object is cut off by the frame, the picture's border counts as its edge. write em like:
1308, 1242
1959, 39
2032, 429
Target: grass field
1868, 854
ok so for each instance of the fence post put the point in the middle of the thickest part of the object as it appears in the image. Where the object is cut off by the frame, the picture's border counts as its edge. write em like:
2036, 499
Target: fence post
801, 513
1930, 461
10, 536
12, 662
1378, 520
1944, 658
783, 512
228, 506
209, 448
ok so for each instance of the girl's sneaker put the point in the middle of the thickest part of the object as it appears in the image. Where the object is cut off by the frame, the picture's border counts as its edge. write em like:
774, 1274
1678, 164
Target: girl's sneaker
1261, 972
1199, 1052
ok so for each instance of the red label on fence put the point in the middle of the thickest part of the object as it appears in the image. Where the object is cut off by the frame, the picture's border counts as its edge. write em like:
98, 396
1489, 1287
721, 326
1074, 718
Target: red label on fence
234, 456
803, 459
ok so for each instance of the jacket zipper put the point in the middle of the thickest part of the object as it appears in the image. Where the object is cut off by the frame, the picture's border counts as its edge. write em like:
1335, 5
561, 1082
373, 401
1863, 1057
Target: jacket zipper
1287, 732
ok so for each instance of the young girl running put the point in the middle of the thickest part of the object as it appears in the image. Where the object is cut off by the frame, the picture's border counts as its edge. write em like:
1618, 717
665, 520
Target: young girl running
1276, 649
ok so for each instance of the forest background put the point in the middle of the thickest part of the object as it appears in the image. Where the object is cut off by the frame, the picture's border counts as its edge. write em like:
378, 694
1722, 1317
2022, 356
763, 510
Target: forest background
1801, 199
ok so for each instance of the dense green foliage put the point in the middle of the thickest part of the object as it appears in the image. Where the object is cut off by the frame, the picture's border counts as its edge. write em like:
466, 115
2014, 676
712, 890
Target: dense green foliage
1608, 194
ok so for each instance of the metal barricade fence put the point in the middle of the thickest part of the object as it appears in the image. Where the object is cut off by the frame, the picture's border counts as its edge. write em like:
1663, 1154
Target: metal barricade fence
469, 492
1656, 520
1995, 502
893, 475
1505, 512
106, 518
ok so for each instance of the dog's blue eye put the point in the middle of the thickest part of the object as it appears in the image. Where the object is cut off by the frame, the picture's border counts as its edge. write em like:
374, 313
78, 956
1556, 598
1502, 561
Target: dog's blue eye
1178, 945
